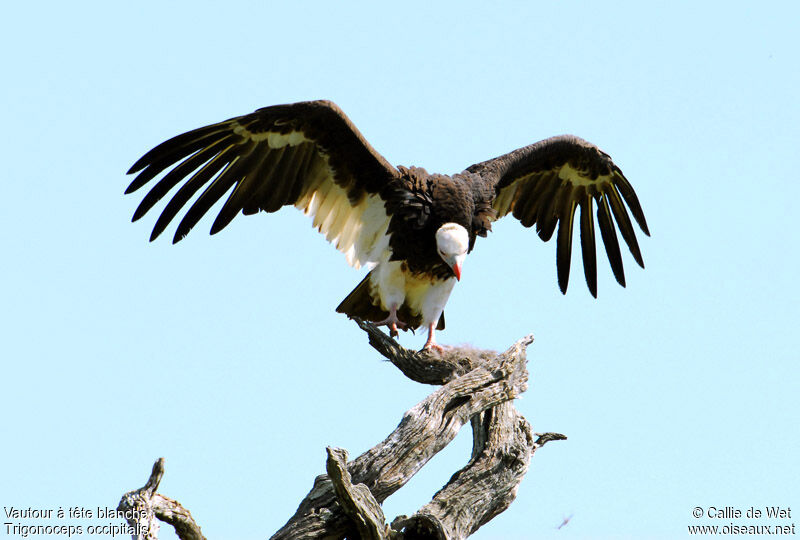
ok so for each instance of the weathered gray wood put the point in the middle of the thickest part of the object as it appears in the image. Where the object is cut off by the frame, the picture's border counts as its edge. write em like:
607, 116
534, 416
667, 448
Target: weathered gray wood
487, 485
147, 505
478, 380
139, 504
356, 501
477, 386
419, 366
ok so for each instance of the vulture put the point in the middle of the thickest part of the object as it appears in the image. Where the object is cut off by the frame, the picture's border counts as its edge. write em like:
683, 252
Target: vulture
412, 229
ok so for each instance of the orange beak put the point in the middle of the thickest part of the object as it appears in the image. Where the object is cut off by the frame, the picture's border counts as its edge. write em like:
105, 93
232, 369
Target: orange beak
457, 271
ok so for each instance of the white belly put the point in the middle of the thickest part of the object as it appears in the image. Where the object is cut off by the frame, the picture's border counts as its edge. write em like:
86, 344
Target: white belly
424, 295
429, 297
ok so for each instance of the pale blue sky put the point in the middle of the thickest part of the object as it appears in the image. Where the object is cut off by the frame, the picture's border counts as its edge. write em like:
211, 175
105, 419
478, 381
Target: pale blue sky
224, 354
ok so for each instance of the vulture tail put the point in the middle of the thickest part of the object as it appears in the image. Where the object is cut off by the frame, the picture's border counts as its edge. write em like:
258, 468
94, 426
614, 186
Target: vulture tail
364, 304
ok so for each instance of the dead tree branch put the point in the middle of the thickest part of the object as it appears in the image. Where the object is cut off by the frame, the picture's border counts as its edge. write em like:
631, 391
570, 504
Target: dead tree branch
474, 381
144, 505
356, 501
477, 387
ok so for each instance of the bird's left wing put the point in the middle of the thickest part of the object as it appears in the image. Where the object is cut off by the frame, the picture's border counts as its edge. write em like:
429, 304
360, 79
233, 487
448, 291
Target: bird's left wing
304, 154
545, 182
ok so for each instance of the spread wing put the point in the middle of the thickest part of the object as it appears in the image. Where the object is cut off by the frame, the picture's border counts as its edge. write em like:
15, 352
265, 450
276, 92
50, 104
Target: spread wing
305, 154
546, 182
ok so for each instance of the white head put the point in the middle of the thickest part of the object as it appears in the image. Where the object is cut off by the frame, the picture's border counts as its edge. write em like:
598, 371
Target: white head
452, 242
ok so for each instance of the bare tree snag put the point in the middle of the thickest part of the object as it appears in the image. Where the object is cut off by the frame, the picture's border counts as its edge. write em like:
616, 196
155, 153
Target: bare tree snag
477, 387
486, 486
146, 505
357, 502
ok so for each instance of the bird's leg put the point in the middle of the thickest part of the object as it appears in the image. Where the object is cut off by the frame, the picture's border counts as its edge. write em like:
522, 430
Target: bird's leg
392, 322
431, 343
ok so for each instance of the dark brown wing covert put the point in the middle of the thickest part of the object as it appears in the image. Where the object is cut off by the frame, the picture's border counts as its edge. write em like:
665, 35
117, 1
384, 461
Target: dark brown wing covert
546, 182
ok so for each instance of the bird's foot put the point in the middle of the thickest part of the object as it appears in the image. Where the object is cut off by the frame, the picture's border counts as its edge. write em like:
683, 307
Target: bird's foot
431, 344
393, 323
435, 347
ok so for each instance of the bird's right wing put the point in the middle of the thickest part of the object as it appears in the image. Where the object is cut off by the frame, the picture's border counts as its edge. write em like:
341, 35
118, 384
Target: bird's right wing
544, 183
304, 154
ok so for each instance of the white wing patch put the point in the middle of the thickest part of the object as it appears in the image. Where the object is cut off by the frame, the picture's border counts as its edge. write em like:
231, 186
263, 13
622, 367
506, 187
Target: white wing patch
577, 178
505, 199
274, 140
357, 230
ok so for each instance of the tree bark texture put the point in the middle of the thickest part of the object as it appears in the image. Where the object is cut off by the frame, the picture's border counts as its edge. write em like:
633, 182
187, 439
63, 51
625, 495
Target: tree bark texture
149, 505
477, 387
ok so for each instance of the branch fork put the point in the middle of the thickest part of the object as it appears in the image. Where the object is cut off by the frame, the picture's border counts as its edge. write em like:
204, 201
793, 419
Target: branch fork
476, 387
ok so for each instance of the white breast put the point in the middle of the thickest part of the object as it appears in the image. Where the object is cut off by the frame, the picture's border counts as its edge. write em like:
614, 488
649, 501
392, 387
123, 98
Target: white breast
422, 294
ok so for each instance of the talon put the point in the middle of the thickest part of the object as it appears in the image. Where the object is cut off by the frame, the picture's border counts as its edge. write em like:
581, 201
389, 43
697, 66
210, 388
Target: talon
433, 347
392, 322
431, 343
